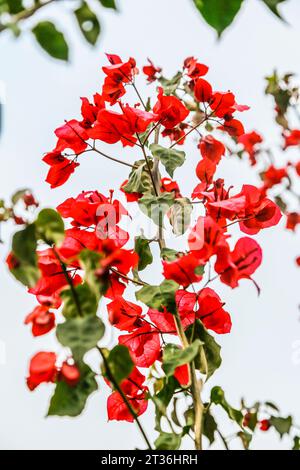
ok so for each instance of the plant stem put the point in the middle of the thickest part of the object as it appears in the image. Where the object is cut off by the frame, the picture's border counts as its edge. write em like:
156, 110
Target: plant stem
223, 439
195, 386
124, 398
23, 15
112, 158
135, 281
188, 132
69, 280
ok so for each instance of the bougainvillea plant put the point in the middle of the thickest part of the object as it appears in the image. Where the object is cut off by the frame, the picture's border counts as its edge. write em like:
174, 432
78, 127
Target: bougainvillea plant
73, 257
278, 167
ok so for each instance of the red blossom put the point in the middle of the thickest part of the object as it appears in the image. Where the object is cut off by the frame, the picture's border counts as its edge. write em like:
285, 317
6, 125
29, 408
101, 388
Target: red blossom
183, 270
260, 212
205, 170
124, 315
291, 138
293, 219
250, 143
205, 305
211, 148
89, 111
12, 261
221, 103
273, 176
234, 127
42, 368
71, 135
130, 197
151, 71
264, 425
112, 127
52, 279
177, 134
116, 74
202, 90
194, 69
42, 320
136, 393
69, 373
205, 238
143, 344
59, 173
170, 186
120, 71
240, 263
182, 374
170, 110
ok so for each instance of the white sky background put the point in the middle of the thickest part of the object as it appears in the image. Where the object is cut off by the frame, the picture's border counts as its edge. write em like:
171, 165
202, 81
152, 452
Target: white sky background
259, 356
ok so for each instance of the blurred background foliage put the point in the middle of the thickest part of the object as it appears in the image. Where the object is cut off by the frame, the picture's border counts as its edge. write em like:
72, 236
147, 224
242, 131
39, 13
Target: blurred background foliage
219, 14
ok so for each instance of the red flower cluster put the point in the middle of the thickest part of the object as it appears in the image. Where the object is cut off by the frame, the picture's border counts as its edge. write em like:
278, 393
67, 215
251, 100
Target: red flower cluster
94, 223
43, 369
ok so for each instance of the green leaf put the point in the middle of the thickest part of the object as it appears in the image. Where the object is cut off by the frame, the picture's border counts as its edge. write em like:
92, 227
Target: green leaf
89, 261
174, 414
80, 334
211, 360
296, 445
156, 207
15, 6
18, 195
168, 441
108, 4
86, 301
209, 426
159, 296
246, 438
282, 425
120, 362
170, 158
272, 405
70, 401
170, 85
142, 248
26, 274
218, 13
88, 23
217, 397
139, 180
173, 356
273, 6
189, 416
180, 215
163, 399
169, 254
24, 245
51, 40
50, 226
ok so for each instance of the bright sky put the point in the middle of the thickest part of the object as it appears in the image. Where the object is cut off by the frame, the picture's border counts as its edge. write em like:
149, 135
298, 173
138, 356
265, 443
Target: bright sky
260, 355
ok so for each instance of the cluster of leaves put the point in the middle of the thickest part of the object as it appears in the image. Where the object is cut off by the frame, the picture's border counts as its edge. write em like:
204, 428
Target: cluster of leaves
219, 14
20, 209
167, 347
14, 12
279, 175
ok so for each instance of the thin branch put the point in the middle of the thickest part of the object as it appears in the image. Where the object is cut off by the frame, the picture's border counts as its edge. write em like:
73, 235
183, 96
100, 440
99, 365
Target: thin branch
188, 132
135, 281
223, 439
111, 158
124, 398
70, 282
23, 15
